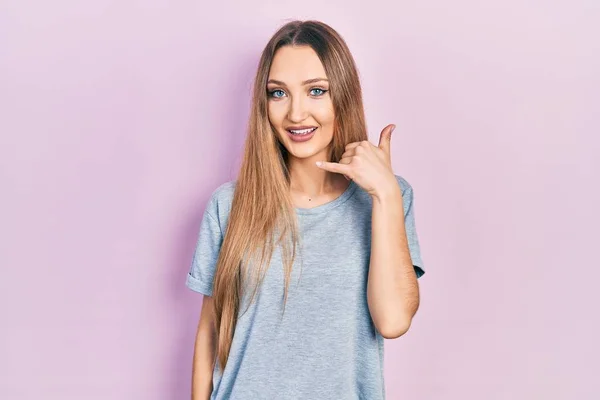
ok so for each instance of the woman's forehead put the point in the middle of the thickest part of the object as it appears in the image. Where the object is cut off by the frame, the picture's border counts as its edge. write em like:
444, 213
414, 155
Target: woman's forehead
296, 64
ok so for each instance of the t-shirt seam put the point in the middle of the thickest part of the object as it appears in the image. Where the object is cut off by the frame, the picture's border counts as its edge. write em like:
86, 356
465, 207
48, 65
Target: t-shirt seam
308, 211
216, 221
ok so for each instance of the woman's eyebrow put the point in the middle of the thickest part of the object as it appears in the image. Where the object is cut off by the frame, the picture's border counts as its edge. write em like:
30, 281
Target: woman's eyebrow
307, 82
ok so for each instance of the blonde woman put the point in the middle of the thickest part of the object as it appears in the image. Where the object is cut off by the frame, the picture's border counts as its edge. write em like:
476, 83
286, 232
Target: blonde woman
310, 258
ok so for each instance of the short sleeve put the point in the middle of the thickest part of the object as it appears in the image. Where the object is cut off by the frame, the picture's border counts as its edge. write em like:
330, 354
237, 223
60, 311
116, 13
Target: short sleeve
411, 231
202, 270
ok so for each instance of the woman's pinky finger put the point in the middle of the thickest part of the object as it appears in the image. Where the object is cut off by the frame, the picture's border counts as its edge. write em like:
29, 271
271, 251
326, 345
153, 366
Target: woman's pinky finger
333, 167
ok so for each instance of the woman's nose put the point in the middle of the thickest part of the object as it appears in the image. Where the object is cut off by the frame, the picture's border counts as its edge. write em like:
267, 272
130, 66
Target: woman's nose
297, 111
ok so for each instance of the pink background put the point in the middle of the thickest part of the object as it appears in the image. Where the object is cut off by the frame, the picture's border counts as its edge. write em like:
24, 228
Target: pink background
118, 118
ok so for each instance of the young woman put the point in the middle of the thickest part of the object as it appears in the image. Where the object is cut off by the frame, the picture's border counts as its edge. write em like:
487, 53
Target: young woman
310, 258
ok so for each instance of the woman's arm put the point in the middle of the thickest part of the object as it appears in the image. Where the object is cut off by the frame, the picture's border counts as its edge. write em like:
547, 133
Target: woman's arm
392, 290
204, 353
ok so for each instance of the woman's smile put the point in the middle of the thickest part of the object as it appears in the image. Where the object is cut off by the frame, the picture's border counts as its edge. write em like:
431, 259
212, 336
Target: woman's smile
303, 135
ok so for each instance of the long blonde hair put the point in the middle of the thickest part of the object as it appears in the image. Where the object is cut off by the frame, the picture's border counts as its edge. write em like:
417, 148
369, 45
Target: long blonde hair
261, 202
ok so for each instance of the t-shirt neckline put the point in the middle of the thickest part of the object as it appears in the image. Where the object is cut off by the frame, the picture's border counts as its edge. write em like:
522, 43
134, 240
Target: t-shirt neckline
329, 205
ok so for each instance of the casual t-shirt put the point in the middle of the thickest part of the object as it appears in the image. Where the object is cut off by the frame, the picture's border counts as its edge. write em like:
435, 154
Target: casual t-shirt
324, 346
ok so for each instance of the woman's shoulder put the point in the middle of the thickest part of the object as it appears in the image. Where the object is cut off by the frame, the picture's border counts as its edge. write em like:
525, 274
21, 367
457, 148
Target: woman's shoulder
221, 198
224, 191
404, 185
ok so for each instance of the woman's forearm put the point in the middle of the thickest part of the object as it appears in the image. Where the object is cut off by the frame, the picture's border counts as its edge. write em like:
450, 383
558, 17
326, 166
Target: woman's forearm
392, 291
204, 353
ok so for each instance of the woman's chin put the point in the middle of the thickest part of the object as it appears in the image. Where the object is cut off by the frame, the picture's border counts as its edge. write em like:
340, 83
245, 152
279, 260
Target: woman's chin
306, 153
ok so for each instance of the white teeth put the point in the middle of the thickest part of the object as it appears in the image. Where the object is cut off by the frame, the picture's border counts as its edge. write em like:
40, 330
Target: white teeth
302, 131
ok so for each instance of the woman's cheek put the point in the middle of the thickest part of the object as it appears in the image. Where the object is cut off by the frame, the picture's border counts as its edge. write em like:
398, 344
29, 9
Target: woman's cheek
276, 113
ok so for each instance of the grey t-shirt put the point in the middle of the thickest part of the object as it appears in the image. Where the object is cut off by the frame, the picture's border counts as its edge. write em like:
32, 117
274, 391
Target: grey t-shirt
325, 345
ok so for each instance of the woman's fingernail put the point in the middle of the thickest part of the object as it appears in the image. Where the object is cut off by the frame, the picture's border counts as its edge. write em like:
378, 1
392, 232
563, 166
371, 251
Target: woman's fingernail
319, 163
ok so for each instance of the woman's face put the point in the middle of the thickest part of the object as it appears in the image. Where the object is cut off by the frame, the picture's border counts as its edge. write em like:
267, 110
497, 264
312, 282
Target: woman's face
299, 101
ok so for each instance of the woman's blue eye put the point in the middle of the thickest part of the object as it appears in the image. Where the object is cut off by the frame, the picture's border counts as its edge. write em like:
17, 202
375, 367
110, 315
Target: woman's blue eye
315, 92
273, 93
322, 91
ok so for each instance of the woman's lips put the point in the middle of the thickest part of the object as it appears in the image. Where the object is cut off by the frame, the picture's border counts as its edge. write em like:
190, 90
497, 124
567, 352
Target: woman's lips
301, 138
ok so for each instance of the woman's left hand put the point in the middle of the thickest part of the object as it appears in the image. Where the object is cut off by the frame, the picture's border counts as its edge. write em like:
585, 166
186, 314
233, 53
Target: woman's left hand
368, 165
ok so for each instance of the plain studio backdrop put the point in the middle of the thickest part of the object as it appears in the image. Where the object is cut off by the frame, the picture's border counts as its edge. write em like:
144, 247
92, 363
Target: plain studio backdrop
118, 119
